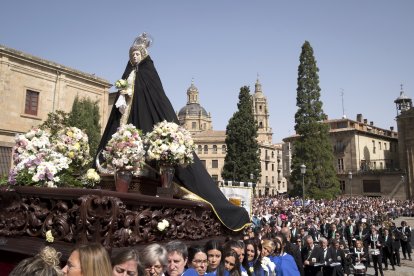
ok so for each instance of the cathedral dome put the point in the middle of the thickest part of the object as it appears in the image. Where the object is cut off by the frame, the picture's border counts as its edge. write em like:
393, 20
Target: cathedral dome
192, 109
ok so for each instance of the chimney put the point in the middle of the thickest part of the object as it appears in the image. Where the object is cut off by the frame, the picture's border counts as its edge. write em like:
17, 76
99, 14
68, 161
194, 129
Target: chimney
365, 121
359, 118
371, 123
392, 128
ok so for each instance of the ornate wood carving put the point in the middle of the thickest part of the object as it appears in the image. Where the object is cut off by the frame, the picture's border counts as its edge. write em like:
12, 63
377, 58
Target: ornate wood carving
113, 219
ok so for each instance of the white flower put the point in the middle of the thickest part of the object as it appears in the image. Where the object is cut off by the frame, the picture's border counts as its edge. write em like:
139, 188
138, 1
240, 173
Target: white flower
49, 236
161, 226
166, 223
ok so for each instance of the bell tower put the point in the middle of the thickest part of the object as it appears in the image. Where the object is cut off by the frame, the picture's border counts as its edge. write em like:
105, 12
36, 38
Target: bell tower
261, 114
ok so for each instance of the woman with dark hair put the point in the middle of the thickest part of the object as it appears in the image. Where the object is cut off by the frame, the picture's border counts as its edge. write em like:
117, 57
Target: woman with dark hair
214, 251
231, 263
197, 259
252, 259
125, 261
144, 104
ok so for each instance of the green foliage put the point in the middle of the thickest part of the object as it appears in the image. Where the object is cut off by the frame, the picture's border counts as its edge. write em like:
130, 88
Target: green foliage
3, 180
85, 116
55, 121
313, 147
242, 157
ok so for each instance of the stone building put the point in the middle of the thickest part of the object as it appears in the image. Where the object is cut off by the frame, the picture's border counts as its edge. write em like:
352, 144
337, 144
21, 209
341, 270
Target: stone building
211, 146
365, 156
405, 124
31, 87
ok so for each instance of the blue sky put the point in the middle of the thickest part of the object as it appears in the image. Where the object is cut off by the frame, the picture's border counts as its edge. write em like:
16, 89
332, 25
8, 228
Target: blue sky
363, 48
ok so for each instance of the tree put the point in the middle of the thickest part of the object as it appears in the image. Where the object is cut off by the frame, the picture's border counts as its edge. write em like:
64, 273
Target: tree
85, 116
313, 147
242, 156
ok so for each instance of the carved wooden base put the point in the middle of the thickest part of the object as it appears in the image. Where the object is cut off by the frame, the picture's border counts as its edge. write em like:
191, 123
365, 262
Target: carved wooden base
113, 219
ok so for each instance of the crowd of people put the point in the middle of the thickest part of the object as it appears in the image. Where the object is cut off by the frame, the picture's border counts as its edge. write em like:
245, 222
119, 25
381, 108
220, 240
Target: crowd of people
287, 237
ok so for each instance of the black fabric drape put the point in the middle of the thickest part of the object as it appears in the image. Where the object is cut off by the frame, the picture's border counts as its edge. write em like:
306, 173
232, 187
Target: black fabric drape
150, 105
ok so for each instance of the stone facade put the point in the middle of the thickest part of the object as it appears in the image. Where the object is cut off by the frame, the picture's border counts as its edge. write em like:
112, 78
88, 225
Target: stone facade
365, 156
42, 86
211, 146
405, 124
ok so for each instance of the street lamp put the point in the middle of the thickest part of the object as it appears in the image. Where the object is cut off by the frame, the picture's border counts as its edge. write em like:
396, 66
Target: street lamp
303, 171
350, 181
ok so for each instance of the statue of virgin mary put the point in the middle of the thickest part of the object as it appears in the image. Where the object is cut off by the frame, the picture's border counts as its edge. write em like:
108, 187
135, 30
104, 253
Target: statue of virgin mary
144, 103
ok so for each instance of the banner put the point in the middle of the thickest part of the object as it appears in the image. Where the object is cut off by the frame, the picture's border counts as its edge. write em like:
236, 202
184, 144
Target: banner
239, 196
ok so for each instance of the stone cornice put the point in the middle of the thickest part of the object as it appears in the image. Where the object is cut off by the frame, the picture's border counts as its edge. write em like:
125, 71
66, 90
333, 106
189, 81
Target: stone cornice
15, 54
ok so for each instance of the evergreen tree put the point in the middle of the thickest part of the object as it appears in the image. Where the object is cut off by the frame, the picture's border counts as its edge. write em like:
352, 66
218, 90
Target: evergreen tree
313, 147
85, 116
242, 156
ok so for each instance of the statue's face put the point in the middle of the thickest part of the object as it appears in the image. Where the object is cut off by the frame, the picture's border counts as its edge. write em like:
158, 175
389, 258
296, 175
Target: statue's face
136, 57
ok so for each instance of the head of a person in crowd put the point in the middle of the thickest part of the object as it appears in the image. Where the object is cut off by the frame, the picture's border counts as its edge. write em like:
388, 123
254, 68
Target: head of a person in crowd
46, 262
309, 241
197, 259
125, 263
293, 224
403, 223
214, 251
323, 242
299, 241
251, 250
268, 248
374, 231
279, 248
337, 235
153, 259
88, 260
358, 244
386, 231
302, 232
333, 226
286, 233
231, 262
177, 256
335, 244
236, 246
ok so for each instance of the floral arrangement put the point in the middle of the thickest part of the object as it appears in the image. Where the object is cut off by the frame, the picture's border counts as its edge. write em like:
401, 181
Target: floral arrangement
42, 160
73, 143
162, 225
125, 150
35, 161
121, 84
169, 144
268, 265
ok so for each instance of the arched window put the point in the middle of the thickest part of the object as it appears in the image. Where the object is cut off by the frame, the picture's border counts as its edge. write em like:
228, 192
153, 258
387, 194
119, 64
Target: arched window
223, 149
214, 148
200, 149
205, 149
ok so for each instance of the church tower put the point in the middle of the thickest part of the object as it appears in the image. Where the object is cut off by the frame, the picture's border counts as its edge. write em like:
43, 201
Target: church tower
261, 114
193, 116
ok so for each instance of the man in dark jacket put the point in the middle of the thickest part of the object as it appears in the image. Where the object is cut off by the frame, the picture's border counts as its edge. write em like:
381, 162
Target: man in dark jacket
405, 240
312, 257
387, 249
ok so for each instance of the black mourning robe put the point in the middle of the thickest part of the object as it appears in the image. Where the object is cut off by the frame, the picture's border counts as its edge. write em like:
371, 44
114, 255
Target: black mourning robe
150, 105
